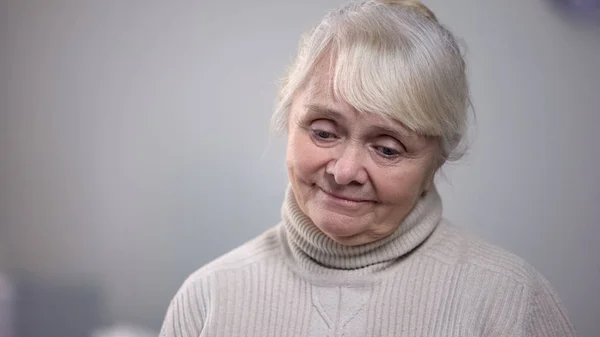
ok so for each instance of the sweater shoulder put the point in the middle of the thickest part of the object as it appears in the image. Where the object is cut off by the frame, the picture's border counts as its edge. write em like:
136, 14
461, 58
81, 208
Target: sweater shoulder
262, 248
503, 276
193, 300
458, 246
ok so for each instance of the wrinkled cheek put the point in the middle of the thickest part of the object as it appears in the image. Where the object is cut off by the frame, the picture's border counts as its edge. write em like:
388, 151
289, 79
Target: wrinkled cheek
304, 159
402, 190
293, 155
301, 168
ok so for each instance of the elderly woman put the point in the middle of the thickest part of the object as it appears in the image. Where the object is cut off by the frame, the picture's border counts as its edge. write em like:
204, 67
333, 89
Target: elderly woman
373, 106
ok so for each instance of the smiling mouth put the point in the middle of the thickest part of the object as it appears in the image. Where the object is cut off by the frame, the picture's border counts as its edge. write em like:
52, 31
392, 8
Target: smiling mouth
346, 199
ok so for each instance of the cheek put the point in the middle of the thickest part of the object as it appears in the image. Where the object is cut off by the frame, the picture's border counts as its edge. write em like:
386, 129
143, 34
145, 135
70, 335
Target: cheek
400, 186
304, 159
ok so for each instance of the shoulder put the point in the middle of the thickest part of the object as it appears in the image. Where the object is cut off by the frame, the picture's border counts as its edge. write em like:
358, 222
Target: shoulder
200, 284
457, 246
485, 267
263, 248
493, 275
196, 296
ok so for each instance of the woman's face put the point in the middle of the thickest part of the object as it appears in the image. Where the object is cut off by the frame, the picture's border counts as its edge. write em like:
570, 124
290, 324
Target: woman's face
356, 176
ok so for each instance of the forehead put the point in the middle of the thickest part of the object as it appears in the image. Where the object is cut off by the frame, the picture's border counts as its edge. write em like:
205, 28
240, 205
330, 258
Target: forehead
318, 98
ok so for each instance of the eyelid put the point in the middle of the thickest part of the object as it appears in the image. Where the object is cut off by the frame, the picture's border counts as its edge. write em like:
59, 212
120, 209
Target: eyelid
323, 123
388, 159
378, 148
395, 141
314, 134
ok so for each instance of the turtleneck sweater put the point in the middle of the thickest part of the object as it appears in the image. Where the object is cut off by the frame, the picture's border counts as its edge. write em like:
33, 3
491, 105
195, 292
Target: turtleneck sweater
427, 278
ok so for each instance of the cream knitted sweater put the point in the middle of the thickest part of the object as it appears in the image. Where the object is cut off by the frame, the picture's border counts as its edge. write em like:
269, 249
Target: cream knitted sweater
426, 279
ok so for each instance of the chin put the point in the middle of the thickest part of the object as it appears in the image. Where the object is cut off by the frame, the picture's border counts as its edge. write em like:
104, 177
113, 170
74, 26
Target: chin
338, 227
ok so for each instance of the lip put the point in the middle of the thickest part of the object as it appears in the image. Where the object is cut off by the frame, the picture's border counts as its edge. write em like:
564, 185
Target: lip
344, 201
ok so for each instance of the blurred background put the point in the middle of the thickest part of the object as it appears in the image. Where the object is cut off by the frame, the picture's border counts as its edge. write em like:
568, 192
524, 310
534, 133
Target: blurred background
134, 147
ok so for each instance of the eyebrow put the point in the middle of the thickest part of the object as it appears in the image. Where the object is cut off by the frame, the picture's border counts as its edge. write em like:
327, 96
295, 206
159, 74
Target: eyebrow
325, 111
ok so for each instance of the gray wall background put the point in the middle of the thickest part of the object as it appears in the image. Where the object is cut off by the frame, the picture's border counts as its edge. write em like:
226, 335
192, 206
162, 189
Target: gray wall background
134, 139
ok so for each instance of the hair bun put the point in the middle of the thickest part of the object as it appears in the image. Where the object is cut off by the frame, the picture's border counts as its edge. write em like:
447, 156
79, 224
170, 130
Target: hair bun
413, 4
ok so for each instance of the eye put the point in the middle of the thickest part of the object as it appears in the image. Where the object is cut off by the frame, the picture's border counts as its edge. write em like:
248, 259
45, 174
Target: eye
322, 134
323, 131
388, 147
387, 152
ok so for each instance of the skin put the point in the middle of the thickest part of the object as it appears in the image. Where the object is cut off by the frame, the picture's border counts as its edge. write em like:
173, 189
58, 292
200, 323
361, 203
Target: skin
355, 175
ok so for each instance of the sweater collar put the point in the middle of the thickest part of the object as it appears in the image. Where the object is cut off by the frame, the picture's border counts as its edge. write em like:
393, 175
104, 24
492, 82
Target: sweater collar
314, 250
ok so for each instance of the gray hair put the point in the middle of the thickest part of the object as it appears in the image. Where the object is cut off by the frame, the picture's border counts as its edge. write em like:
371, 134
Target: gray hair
391, 58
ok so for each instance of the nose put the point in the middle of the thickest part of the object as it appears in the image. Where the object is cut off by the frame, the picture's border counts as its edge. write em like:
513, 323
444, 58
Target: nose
348, 166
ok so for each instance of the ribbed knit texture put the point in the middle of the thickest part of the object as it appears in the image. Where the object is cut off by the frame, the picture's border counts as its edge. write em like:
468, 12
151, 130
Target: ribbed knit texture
428, 278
